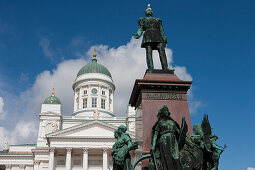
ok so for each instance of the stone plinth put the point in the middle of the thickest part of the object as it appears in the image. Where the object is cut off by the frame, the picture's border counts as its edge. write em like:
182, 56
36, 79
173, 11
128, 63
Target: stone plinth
149, 94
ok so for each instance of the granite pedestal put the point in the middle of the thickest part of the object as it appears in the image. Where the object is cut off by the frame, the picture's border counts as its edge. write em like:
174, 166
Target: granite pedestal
158, 87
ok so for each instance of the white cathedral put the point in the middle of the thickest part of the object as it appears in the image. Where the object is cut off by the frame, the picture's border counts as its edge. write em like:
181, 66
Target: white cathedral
80, 141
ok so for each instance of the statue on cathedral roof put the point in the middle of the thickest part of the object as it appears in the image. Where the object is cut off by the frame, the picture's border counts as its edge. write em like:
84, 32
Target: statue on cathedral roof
96, 114
6, 145
154, 38
55, 126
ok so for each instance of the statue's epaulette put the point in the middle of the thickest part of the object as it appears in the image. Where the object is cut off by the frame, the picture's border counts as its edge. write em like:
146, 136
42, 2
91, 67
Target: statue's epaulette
140, 19
159, 19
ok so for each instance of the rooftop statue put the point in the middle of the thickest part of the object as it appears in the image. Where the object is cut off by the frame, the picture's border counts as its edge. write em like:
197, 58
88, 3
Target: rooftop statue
6, 145
121, 148
154, 38
172, 148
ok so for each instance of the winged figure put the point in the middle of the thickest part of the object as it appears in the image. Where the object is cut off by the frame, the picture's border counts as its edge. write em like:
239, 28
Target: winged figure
198, 151
212, 151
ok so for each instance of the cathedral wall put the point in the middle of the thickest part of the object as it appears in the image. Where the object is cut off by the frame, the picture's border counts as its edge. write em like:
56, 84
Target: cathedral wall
21, 148
70, 124
51, 107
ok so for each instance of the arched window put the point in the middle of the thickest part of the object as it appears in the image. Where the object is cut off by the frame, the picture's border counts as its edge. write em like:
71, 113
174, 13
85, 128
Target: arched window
103, 103
94, 102
85, 103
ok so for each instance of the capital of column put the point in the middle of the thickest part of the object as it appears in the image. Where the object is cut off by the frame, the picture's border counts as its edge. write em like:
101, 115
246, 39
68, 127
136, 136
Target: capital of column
36, 162
8, 166
85, 150
68, 150
22, 166
52, 149
105, 150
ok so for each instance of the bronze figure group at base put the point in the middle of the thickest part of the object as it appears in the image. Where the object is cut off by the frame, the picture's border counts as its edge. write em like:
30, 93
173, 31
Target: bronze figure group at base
171, 147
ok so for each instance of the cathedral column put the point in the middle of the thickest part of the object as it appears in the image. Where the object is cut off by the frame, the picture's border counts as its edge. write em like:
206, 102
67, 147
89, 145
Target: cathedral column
85, 158
51, 160
68, 158
36, 165
8, 167
105, 159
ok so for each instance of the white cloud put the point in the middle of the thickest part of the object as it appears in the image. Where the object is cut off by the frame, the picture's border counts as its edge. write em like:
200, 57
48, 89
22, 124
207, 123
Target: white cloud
29, 102
22, 132
126, 63
182, 74
250, 168
3, 113
61, 79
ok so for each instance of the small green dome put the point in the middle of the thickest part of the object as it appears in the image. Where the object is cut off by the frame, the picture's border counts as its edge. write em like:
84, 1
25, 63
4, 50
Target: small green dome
94, 67
52, 99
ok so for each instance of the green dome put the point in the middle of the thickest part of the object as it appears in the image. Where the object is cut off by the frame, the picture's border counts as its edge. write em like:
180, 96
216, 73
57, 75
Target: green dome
52, 100
94, 67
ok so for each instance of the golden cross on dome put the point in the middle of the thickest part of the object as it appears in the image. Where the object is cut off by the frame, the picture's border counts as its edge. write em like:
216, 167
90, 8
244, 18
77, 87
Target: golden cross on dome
53, 92
94, 54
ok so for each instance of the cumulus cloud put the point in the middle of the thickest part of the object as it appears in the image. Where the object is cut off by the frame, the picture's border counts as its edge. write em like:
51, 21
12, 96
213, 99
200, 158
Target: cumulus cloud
61, 79
250, 168
22, 132
126, 63
181, 72
3, 113
28, 103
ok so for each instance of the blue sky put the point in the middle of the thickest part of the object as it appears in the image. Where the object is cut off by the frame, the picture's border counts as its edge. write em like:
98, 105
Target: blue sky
213, 40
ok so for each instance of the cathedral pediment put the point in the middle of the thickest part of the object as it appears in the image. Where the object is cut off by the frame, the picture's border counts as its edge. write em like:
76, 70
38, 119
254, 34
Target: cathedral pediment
94, 129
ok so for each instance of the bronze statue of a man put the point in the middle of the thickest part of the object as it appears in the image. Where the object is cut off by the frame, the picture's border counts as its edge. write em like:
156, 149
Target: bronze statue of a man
154, 38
